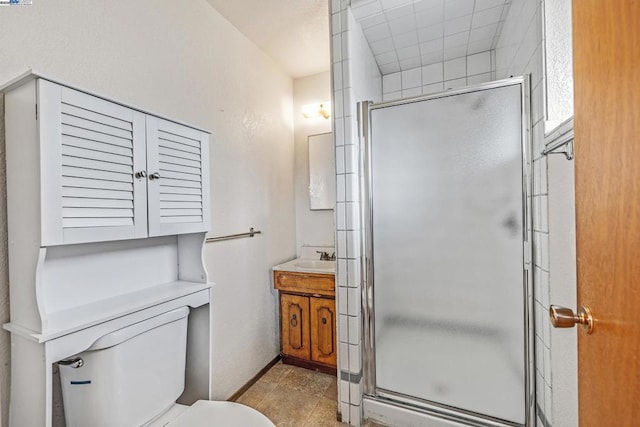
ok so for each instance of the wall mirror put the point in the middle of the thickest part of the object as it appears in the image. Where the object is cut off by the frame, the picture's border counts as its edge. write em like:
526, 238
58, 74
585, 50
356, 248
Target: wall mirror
322, 172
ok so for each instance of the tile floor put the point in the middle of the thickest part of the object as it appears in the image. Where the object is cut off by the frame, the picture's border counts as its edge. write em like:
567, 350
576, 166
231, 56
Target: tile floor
295, 397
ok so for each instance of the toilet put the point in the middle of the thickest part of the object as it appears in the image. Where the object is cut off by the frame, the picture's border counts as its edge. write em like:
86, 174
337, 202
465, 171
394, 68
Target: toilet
133, 377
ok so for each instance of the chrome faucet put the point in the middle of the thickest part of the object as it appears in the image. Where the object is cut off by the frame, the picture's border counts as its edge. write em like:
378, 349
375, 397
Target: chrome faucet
324, 256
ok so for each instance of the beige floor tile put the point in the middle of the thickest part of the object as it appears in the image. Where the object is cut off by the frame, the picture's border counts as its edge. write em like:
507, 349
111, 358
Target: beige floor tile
288, 407
332, 390
324, 415
291, 396
277, 373
308, 381
256, 393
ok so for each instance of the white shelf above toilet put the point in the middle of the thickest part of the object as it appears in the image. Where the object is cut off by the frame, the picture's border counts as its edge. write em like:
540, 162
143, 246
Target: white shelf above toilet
66, 322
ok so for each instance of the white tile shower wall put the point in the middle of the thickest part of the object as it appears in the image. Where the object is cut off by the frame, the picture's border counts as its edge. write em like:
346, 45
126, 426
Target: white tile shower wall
355, 78
519, 51
432, 78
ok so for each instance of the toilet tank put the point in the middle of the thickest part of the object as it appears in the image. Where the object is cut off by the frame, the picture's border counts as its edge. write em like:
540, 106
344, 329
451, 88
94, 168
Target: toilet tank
129, 376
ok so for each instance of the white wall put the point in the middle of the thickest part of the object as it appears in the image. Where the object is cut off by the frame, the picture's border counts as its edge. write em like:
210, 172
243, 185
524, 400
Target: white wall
5, 349
313, 228
184, 60
562, 362
558, 61
519, 51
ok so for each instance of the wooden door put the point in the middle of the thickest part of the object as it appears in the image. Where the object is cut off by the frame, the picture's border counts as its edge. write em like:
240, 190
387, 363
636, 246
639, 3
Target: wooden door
606, 40
323, 330
294, 316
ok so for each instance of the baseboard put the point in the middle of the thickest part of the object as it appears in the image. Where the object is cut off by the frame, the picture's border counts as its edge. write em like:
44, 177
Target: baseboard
253, 380
308, 364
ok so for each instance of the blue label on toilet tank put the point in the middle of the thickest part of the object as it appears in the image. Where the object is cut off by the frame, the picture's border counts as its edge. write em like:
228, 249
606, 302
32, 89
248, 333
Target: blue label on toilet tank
15, 2
80, 382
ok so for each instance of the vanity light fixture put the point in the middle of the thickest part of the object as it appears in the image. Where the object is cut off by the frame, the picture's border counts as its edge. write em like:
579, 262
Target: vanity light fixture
317, 110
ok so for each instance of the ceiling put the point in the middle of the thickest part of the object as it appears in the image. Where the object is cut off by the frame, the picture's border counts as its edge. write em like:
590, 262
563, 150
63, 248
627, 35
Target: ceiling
295, 33
405, 34
402, 34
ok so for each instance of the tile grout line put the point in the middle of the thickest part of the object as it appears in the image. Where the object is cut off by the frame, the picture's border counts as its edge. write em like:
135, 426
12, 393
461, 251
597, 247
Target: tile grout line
305, 423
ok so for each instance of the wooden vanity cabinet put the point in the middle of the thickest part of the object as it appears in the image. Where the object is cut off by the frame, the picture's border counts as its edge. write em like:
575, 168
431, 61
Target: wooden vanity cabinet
308, 319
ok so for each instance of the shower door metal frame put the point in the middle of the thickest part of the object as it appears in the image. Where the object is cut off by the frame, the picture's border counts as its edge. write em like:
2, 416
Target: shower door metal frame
369, 367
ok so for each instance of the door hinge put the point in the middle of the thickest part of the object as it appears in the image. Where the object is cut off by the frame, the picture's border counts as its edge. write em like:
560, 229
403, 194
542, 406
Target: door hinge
36, 111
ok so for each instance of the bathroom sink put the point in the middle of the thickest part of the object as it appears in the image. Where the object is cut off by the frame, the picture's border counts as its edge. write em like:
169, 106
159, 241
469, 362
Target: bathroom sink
315, 264
309, 265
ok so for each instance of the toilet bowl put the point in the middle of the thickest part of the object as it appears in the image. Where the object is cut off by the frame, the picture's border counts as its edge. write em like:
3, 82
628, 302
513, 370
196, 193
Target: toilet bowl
209, 413
133, 377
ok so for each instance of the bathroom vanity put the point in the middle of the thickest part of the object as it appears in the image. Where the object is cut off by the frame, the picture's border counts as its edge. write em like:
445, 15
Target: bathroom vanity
307, 313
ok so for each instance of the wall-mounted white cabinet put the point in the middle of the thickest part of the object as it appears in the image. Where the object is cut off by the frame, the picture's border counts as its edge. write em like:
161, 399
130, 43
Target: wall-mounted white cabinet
108, 208
109, 172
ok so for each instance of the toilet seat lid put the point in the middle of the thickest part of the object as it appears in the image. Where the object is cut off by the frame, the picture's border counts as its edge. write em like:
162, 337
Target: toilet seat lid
206, 413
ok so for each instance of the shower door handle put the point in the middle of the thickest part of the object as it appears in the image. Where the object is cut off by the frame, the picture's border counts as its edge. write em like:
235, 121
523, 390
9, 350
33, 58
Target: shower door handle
562, 317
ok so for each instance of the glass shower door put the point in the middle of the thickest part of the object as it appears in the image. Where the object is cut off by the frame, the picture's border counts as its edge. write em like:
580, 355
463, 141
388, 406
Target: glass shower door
447, 239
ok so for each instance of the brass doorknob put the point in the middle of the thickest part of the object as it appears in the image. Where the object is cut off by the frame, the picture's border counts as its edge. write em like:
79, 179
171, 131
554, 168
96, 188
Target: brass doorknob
562, 317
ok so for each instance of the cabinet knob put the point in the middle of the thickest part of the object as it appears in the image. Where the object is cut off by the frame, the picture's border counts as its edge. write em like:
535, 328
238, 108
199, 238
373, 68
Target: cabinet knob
324, 320
294, 321
154, 175
141, 174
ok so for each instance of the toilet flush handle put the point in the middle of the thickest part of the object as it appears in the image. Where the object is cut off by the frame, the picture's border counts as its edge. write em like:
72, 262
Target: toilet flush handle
75, 363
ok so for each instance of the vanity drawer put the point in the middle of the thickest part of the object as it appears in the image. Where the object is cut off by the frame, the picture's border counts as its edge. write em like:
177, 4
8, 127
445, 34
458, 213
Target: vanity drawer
308, 283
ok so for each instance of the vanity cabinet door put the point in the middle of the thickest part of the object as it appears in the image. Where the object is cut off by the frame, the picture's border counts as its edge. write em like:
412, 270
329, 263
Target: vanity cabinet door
294, 316
178, 187
323, 330
90, 149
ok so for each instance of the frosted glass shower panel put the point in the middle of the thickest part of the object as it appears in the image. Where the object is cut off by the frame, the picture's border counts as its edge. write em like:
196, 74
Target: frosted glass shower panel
447, 201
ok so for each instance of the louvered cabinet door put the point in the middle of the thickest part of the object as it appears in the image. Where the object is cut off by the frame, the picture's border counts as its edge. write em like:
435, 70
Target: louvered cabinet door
178, 187
90, 150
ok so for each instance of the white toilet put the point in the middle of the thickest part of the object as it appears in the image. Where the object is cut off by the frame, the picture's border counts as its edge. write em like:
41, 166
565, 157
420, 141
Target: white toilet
133, 376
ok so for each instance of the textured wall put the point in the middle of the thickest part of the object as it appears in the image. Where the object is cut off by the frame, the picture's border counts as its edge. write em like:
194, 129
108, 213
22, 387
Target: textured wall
558, 60
184, 60
5, 354
314, 228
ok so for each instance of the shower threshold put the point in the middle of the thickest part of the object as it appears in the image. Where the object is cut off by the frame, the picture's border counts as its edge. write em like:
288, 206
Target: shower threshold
395, 409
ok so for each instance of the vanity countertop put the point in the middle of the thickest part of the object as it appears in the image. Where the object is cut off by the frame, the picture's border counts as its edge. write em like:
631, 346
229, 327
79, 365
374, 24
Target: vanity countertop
307, 265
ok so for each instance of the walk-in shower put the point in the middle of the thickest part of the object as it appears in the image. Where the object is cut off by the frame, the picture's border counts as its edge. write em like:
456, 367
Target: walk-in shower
447, 296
